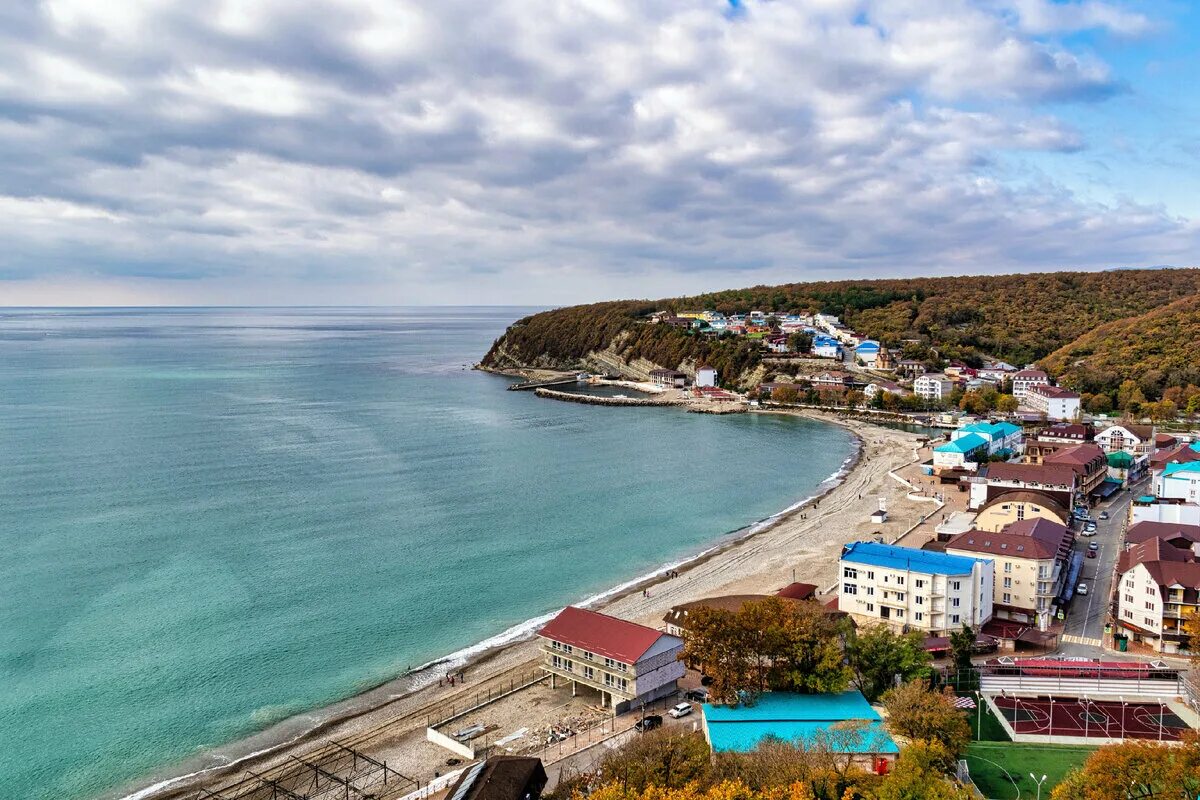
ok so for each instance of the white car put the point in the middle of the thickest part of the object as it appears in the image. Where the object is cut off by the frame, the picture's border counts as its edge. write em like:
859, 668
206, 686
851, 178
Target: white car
1081, 590
1087, 532
681, 710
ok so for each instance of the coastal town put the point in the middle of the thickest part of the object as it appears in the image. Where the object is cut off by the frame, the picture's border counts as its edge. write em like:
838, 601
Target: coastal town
1025, 573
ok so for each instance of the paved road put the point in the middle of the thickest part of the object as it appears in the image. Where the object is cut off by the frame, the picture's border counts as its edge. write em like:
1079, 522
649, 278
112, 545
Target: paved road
1085, 620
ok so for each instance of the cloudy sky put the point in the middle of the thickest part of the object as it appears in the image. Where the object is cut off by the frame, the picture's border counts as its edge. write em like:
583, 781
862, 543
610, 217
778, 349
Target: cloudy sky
396, 152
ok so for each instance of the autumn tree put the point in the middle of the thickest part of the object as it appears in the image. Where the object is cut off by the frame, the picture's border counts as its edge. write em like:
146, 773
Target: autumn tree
1191, 626
1137, 769
922, 714
771, 643
786, 394
1006, 403
1099, 404
877, 654
962, 645
919, 774
667, 757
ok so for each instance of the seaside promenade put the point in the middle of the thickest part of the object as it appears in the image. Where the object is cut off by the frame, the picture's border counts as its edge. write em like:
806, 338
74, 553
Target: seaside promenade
389, 723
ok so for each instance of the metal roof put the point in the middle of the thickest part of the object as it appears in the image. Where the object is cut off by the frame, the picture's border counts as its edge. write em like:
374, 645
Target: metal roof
963, 444
890, 556
798, 717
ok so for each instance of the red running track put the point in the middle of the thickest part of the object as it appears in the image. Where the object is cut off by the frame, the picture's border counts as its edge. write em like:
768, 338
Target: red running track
1073, 716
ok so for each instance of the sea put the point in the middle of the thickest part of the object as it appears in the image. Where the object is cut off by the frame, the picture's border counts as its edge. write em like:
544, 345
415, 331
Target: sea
214, 521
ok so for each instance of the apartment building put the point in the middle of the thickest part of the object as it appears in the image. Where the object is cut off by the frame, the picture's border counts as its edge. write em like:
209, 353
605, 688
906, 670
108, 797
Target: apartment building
932, 592
1158, 586
1055, 402
627, 663
933, 386
1031, 560
1026, 378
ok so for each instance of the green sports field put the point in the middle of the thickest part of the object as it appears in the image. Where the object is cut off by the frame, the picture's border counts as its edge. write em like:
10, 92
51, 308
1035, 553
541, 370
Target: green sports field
996, 765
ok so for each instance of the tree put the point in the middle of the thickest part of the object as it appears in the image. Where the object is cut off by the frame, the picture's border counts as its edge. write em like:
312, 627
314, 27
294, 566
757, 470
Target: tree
855, 398
786, 394
1006, 403
962, 644
877, 654
1191, 626
1138, 769
800, 342
919, 775
1099, 404
667, 757
921, 714
1129, 393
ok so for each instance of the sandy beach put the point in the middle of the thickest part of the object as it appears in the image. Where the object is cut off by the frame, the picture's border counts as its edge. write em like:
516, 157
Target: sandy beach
388, 722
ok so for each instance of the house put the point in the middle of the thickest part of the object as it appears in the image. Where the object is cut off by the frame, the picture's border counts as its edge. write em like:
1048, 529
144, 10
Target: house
627, 663
1120, 466
1018, 505
1090, 465
1137, 440
1067, 433
1003, 438
904, 587
875, 387
1031, 564
1180, 482
678, 619
777, 344
1053, 401
826, 347
885, 361
867, 352
1058, 481
500, 778
706, 375
1153, 509
933, 386
1179, 535
965, 452
833, 380
996, 372
798, 591
842, 722
1158, 586
1026, 378
910, 368
668, 378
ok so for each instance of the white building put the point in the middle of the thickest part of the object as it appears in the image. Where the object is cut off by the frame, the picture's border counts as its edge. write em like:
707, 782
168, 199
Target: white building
1180, 482
1158, 586
927, 591
1137, 440
1055, 402
1023, 380
706, 376
627, 663
1001, 436
933, 386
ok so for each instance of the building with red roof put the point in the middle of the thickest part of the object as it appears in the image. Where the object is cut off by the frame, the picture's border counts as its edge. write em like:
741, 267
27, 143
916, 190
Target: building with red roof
627, 663
1158, 584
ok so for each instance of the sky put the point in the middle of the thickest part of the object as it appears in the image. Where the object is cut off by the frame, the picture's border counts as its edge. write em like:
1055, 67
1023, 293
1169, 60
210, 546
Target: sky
393, 152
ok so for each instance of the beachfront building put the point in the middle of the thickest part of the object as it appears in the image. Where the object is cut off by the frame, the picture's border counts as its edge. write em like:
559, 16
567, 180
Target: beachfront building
1180, 482
1054, 402
933, 386
1017, 506
841, 722
627, 663
668, 378
706, 375
1003, 438
1031, 563
962, 453
932, 592
1025, 379
1058, 481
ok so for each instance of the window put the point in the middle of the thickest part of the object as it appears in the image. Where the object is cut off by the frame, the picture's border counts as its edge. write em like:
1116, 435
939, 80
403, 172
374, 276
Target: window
1008, 566
1128, 614
870, 591
920, 583
919, 600
1020, 511
589, 673
870, 606
1008, 583
1128, 598
870, 574
1150, 621
1149, 606
849, 588
589, 656
954, 602
849, 572
956, 585
918, 616
899, 613
900, 580
568, 649
954, 619
1007, 597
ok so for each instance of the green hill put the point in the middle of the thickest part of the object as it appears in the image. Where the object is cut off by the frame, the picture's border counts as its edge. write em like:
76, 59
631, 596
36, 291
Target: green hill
1018, 318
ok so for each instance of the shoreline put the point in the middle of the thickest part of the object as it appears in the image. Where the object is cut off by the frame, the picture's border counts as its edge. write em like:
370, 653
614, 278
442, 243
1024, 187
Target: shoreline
411, 695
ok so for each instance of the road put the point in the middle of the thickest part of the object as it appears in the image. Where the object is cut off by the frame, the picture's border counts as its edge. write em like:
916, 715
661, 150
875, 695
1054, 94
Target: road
1084, 629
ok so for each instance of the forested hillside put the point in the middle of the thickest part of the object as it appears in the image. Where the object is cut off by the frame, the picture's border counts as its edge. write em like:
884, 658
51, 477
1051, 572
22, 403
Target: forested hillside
1019, 318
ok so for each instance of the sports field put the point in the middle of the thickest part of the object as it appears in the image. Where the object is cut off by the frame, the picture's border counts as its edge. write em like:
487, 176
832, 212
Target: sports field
1070, 716
1001, 769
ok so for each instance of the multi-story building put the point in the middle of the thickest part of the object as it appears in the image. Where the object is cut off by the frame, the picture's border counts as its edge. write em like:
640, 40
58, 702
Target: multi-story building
1016, 506
1137, 440
1089, 463
933, 592
962, 452
1058, 481
1023, 380
627, 663
1053, 401
933, 386
1180, 482
1002, 437
1067, 433
1158, 586
1031, 559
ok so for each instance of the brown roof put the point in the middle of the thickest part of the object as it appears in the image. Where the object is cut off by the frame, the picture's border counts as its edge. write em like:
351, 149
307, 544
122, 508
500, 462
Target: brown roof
1073, 430
1144, 531
1052, 391
1151, 551
1076, 455
501, 778
1143, 432
798, 591
1181, 454
1044, 474
1021, 496
1175, 573
599, 633
729, 602
1165, 440
1035, 538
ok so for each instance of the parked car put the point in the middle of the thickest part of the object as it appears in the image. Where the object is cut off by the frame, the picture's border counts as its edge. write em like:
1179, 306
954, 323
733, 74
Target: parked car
1086, 532
1081, 590
1093, 546
1090, 527
648, 723
1103, 515
699, 695
1091, 553
681, 710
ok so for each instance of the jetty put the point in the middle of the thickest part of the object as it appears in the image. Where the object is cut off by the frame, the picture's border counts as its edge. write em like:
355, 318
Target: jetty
597, 400
525, 386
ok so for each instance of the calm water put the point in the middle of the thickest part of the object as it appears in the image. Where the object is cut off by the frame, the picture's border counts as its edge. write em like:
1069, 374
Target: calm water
213, 520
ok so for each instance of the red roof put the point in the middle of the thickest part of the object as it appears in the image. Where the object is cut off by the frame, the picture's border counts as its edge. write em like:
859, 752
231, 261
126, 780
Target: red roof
798, 591
601, 634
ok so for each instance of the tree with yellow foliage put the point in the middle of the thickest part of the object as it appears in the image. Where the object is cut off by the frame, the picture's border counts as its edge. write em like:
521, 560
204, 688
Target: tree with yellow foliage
1136, 769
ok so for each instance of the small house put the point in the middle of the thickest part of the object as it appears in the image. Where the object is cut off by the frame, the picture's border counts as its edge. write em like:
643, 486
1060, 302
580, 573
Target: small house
706, 376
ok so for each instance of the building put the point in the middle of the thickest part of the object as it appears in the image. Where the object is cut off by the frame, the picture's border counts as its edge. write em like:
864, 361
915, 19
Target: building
1031, 563
833, 380
1157, 588
876, 386
910, 368
843, 723
867, 352
678, 619
1018, 505
964, 452
1179, 535
1137, 440
1026, 378
500, 778
706, 375
826, 347
1152, 509
1002, 437
1180, 482
1058, 481
1090, 465
629, 664
1067, 433
932, 592
668, 378
933, 386
1053, 401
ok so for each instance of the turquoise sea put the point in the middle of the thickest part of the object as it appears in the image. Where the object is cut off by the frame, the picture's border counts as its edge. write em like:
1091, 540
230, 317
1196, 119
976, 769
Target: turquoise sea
212, 520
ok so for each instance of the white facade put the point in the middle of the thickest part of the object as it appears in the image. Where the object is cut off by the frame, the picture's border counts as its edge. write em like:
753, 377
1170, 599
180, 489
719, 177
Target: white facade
1118, 438
1056, 403
1023, 380
706, 376
1176, 513
933, 386
1180, 484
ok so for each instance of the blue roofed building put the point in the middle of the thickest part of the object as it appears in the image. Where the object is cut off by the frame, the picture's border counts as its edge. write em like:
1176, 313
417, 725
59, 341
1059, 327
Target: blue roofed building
867, 352
842, 722
921, 589
965, 452
1002, 437
1180, 481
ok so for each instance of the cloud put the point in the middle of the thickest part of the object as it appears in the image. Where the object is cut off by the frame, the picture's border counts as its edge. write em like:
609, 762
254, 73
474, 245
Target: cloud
440, 152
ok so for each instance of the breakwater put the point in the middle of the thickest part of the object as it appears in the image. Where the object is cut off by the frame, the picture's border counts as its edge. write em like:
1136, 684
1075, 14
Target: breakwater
597, 400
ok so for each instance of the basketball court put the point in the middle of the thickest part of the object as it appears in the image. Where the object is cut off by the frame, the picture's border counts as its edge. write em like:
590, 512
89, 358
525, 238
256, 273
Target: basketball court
1090, 719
